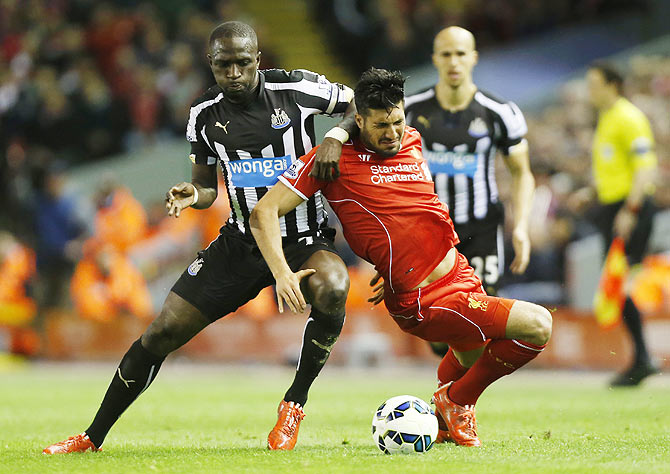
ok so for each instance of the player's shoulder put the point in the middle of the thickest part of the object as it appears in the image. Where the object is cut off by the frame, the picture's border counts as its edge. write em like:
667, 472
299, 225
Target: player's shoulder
420, 97
483, 94
348, 148
209, 98
278, 76
211, 95
506, 111
494, 102
412, 133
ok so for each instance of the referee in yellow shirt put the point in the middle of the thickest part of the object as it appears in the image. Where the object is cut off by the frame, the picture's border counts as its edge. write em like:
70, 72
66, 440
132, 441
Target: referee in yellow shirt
624, 169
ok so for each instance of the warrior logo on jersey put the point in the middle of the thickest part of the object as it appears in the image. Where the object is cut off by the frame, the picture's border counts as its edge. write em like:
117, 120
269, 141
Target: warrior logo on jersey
292, 172
195, 267
478, 128
279, 119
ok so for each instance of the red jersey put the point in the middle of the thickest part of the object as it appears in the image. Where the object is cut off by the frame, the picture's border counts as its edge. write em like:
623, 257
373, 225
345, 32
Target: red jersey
388, 208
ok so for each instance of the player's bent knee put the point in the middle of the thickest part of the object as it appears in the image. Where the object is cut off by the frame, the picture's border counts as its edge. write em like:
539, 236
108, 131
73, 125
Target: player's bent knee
529, 322
329, 291
540, 326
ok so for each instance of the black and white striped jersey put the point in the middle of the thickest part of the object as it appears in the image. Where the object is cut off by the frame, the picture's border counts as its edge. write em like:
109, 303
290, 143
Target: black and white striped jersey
256, 142
460, 149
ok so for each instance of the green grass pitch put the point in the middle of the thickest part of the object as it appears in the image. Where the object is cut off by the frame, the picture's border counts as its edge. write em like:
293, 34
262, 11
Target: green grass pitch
206, 418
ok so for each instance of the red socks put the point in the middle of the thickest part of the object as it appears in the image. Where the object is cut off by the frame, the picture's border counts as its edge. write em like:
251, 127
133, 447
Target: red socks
501, 357
450, 369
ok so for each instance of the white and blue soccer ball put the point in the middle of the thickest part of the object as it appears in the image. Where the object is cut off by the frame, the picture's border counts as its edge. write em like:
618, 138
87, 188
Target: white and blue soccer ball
404, 424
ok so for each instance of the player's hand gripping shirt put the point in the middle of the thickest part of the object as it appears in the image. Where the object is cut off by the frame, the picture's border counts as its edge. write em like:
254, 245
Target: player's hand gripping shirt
460, 148
388, 208
623, 144
258, 141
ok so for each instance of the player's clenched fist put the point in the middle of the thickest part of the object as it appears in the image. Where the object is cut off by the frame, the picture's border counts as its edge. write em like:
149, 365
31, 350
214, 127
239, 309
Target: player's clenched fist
180, 196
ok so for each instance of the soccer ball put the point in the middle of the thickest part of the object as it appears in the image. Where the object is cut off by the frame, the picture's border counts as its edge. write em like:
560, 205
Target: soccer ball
404, 424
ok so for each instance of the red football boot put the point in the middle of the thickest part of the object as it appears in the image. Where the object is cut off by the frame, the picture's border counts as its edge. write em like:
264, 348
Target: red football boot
443, 435
74, 444
285, 433
460, 420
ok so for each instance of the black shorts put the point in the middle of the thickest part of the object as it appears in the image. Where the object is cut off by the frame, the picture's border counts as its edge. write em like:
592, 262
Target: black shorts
603, 217
231, 271
483, 247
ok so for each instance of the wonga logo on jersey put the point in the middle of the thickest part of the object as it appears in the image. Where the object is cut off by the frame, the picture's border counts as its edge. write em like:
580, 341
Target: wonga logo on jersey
451, 162
257, 172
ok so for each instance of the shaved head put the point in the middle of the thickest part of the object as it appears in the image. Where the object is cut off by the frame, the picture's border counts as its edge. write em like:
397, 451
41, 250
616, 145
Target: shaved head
234, 29
454, 34
454, 56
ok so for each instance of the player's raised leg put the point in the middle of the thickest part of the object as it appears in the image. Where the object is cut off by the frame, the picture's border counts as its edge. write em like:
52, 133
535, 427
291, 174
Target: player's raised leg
527, 331
326, 290
177, 323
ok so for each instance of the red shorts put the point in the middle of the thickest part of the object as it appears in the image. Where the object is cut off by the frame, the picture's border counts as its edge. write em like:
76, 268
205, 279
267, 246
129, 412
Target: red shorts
454, 309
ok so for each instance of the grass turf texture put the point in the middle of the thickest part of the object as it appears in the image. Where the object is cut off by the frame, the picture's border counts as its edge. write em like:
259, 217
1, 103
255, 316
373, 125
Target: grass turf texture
216, 419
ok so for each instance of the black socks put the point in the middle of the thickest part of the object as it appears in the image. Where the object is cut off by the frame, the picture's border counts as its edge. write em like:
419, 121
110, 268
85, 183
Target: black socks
633, 321
321, 333
137, 370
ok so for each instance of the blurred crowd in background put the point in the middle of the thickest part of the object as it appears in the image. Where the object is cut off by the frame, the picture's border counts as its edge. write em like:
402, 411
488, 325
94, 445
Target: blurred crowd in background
399, 33
560, 137
82, 80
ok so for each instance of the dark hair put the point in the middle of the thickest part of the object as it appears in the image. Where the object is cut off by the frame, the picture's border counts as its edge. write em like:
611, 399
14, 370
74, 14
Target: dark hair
379, 89
233, 29
610, 73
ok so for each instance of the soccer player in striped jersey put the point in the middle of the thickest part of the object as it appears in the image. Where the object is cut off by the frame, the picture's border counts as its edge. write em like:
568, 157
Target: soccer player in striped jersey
253, 124
463, 128
392, 218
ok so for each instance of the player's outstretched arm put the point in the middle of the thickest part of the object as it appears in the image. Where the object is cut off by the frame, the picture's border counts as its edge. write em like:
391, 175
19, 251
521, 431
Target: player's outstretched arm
327, 157
523, 186
200, 193
264, 223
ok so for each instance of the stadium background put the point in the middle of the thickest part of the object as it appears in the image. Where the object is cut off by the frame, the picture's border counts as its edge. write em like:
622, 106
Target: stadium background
94, 98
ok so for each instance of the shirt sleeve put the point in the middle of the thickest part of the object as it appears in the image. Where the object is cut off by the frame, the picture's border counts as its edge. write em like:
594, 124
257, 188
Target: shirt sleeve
201, 152
315, 91
638, 140
513, 128
297, 177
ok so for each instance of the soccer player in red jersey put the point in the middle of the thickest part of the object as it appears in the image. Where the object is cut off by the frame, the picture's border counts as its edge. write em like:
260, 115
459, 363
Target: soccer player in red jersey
391, 216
